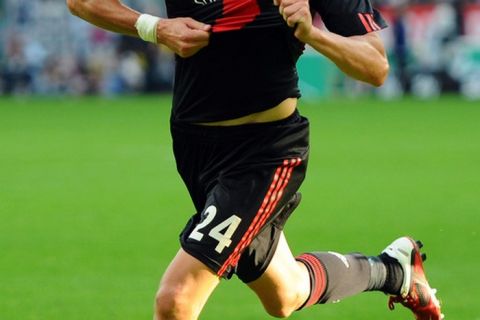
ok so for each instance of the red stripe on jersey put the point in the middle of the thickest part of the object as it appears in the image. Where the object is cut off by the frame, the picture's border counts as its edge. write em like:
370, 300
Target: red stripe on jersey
275, 191
372, 22
236, 14
365, 23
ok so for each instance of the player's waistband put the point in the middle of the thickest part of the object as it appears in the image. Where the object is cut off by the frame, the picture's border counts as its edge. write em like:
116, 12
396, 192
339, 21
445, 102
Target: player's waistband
238, 130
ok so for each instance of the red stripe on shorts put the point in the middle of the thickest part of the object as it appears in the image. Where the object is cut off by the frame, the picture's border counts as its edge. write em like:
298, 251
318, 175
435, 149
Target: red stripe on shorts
275, 191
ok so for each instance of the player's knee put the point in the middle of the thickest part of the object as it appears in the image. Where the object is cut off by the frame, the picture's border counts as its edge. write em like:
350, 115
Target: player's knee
281, 307
171, 304
279, 311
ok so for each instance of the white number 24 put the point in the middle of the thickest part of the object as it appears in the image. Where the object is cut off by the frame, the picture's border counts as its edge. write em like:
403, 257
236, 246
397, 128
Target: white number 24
224, 239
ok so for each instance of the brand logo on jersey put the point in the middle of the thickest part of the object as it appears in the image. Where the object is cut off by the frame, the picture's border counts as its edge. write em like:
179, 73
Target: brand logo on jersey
204, 2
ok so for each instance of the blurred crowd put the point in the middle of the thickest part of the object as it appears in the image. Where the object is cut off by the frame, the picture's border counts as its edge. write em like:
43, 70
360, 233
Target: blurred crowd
434, 46
46, 50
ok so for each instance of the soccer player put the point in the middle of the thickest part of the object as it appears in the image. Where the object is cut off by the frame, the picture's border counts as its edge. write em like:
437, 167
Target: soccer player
241, 147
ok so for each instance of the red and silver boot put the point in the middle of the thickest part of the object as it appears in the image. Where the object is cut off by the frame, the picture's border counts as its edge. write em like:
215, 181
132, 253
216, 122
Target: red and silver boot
415, 293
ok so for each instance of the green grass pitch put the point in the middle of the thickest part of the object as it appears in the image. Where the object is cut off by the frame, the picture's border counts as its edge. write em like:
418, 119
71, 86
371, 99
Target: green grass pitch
91, 205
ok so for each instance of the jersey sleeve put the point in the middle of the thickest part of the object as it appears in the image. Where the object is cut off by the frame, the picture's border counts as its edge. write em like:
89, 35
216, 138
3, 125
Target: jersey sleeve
349, 17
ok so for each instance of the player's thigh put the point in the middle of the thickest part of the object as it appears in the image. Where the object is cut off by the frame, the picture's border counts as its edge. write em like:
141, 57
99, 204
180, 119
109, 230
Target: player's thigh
285, 282
187, 281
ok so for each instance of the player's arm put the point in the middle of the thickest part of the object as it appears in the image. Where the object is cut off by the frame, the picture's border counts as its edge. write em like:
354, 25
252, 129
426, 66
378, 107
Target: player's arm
361, 57
184, 36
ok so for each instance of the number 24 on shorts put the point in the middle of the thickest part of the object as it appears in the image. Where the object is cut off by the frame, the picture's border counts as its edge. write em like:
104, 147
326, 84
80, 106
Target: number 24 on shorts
224, 239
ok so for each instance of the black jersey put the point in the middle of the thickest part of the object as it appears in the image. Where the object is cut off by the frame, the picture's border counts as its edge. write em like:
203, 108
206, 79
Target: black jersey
249, 64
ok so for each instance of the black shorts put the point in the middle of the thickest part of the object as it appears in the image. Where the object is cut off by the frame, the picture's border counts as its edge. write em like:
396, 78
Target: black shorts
242, 180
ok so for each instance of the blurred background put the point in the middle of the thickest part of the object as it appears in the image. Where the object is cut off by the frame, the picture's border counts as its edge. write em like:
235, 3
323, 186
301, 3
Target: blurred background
434, 47
45, 50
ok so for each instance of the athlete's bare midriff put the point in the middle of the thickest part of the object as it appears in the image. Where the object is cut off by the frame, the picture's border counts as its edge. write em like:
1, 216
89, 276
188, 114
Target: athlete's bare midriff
279, 112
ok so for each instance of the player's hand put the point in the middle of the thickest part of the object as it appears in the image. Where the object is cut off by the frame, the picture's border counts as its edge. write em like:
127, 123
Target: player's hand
297, 15
184, 36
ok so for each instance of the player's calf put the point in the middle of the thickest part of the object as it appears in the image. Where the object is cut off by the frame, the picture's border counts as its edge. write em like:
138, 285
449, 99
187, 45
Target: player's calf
282, 305
285, 285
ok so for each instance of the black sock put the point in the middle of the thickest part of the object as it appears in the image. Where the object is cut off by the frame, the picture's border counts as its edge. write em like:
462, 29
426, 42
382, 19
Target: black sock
378, 274
394, 276
386, 274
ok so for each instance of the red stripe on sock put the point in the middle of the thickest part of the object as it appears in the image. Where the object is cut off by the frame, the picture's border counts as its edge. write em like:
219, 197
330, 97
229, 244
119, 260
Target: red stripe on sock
318, 276
275, 191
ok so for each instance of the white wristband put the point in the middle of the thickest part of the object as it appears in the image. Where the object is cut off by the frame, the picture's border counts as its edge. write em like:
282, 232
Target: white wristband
146, 26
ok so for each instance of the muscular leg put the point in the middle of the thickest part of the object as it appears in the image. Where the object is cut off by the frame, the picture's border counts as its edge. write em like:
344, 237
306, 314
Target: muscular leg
184, 289
286, 285
187, 284
289, 283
